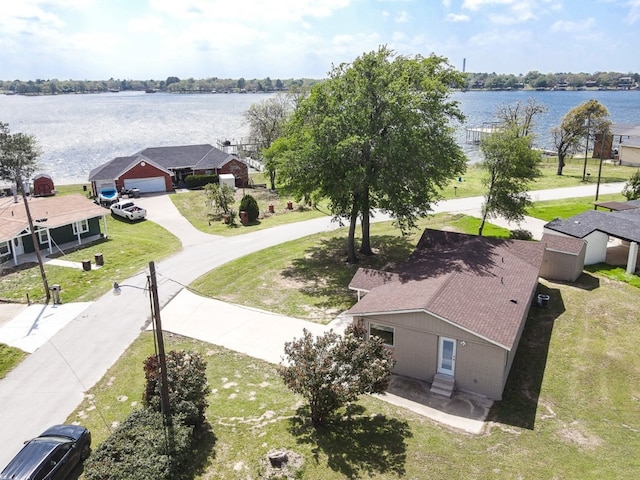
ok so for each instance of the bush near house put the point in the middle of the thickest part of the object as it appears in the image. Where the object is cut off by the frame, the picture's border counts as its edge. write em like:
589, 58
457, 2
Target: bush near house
250, 205
197, 181
332, 370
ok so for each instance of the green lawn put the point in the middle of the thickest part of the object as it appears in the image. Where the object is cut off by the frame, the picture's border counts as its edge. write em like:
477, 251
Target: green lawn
128, 249
9, 358
570, 408
308, 278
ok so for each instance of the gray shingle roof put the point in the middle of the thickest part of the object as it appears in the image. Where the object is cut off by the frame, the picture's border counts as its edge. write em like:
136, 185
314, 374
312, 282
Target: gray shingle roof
112, 169
480, 284
197, 157
624, 224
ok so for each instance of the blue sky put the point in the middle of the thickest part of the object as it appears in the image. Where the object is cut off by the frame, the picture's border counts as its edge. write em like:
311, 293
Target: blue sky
154, 39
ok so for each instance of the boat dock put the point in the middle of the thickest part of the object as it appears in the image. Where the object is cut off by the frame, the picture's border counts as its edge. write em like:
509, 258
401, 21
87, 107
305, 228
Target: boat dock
475, 134
246, 146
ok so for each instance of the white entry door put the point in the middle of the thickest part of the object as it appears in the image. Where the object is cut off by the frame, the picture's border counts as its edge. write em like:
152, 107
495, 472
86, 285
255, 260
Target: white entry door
18, 246
447, 356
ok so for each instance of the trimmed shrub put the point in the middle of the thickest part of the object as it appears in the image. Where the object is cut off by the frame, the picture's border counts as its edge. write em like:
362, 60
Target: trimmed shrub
250, 205
138, 450
188, 386
197, 181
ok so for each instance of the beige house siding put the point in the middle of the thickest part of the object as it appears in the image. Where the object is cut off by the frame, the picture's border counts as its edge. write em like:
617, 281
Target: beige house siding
481, 367
562, 266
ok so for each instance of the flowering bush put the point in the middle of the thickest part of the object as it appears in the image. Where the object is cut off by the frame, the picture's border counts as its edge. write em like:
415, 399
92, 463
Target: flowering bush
188, 386
330, 370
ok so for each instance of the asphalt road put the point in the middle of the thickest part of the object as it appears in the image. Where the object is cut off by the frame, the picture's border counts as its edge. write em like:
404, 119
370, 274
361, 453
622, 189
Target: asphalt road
50, 383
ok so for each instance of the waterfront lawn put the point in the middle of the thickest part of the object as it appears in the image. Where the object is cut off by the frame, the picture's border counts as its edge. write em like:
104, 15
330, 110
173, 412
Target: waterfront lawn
128, 250
470, 184
570, 408
284, 279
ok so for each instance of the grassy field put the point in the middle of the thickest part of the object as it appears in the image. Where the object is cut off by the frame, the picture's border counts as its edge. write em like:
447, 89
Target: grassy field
570, 409
308, 278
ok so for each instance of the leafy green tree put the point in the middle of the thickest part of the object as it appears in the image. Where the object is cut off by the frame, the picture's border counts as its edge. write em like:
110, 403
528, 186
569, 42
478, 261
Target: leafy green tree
219, 198
330, 371
250, 205
266, 121
576, 127
241, 83
631, 189
375, 135
511, 165
188, 386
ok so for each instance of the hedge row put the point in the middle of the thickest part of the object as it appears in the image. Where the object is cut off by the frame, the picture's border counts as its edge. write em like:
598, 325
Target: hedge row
196, 181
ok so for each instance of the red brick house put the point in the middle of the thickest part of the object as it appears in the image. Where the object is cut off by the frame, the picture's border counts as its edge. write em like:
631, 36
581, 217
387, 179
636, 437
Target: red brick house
158, 169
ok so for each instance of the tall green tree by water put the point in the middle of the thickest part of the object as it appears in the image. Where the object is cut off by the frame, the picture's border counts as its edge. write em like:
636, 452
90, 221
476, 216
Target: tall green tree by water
376, 135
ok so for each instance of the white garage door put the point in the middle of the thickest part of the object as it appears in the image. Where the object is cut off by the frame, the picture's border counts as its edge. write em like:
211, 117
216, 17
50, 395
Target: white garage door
146, 185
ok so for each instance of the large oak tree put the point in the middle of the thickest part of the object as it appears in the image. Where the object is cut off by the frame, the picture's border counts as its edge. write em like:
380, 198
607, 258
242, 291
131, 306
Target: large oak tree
376, 135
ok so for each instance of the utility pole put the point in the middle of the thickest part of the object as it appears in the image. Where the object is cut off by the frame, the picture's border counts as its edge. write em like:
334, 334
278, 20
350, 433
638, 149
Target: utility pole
586, 148
162, 359
34, 238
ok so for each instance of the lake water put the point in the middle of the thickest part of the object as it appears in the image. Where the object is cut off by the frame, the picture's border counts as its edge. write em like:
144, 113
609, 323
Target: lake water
80, 132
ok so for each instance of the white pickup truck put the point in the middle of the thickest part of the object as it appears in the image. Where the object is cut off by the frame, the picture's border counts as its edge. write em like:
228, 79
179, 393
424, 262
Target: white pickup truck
128, 210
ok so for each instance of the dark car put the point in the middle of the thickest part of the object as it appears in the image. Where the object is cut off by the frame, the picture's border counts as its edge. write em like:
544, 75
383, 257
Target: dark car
51, 456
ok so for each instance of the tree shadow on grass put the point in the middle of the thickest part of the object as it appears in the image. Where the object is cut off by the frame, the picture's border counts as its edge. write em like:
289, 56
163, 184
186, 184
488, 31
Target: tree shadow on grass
324, 273
356, 444
203, 442
520, 397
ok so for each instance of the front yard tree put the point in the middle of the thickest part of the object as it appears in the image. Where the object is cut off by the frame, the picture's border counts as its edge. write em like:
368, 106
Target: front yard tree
330, 371
576, 126
511, 165
376, 135
18, 161
266, 120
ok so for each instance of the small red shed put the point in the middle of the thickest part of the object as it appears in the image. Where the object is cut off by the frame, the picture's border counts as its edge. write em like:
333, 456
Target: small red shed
43, 186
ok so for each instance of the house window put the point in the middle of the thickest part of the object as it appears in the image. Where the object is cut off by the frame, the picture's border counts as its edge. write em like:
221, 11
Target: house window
387, 334
4, 248
43, 236
81, 227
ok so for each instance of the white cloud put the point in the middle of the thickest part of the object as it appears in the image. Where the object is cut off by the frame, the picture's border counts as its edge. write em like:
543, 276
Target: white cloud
261, 11
477, 4
455, 18
634, 11
573, 27
402, 17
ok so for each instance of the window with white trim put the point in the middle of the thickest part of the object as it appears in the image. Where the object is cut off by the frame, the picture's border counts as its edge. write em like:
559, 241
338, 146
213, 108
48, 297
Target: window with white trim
43, 236
4, 248
387, 334
81, 227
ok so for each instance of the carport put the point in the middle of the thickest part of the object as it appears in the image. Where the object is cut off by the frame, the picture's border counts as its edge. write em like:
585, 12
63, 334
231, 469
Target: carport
597, 228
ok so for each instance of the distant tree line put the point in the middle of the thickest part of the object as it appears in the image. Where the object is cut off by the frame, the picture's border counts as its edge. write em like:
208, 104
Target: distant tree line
171, 84
537, 80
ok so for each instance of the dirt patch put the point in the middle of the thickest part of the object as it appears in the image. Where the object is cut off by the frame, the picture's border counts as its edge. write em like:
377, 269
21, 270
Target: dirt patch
573, 434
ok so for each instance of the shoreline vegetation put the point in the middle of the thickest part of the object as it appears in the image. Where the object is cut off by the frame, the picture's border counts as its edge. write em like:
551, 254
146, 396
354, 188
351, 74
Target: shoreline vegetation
532, 81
